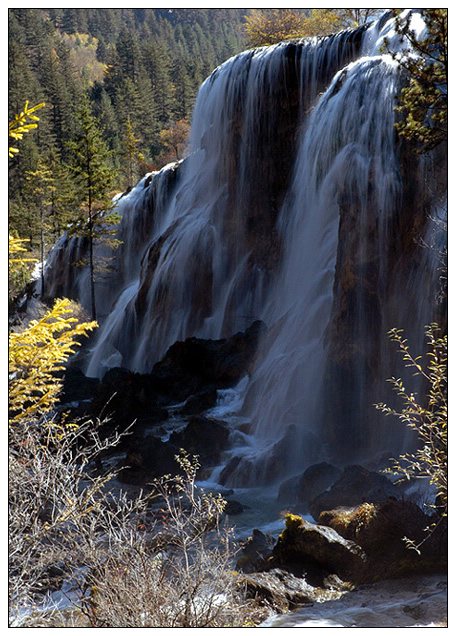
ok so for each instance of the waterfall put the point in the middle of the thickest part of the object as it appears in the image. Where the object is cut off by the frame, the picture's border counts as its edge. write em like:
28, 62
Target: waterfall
212, 246
296, 205
339, 157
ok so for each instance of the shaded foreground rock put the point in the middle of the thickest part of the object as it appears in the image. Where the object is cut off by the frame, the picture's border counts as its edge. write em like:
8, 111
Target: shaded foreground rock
303, 544
200, 402
356, 485
205, 437
233, 508
191, 370
279, 589
126, 396
147, 459
77, 386
195, 364
408, 602
310, 562
255, 552
380, 530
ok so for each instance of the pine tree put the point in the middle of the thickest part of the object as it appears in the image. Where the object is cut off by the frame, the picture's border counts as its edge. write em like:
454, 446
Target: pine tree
157, 61
145, 113
184, 89
424, 100
95, 177
132, 155
129, 54
64, 196
108, 116
41, 189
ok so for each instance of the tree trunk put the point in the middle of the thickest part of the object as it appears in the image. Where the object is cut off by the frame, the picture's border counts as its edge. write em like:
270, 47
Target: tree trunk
42, 252
91, 266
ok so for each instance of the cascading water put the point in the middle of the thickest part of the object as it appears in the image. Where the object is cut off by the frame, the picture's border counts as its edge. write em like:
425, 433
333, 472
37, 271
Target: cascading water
212, 248
338, 158
296, 206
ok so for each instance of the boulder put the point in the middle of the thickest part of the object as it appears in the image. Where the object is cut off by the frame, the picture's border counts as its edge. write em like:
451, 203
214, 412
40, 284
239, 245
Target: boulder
302, 489
77, 386
380, 530
233, 508
356, 485
205, 437
261, 470
148, 459
126, 396
303, 544
237, 472
190, 366
200, 402
255, 552
279, 589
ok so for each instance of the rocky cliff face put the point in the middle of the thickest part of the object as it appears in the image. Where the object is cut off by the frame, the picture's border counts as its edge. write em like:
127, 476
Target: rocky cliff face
382, 283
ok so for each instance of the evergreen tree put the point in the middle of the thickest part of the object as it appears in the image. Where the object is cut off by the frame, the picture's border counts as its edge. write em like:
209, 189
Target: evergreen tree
95, 176
64, 196
184, 88
41, 189
424, 100
132, 157
108, 118
129, 55
158, 66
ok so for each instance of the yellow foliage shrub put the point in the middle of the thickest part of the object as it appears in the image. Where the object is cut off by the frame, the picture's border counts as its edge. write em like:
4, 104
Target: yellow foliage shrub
36, 354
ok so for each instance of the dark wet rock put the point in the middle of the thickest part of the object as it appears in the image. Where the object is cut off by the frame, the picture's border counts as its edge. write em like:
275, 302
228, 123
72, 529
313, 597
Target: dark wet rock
380, 530
255, 552
229, 469
356, 485
303, 488
192, 370
245, 428
77, 386
223, 492
148, 459
200, 402
126, 396
260, 471
152, 420
236, 472
279, 589
304, 543
205, 437
233, 508
194, 364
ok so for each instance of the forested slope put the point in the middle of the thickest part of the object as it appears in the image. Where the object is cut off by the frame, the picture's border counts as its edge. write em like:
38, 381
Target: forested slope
139, 68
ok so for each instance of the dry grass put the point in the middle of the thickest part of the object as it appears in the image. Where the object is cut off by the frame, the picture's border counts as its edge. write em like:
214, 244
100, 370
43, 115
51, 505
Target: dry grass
161, 559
